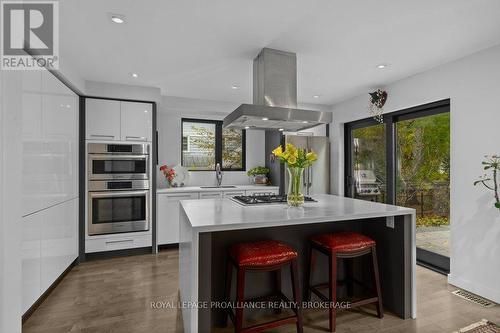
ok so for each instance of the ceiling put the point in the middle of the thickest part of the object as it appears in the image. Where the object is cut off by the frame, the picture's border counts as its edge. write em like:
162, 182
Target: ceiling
200, 48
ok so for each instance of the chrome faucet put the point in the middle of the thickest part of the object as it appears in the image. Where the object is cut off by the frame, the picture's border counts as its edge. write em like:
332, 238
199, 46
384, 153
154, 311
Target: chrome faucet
218, 174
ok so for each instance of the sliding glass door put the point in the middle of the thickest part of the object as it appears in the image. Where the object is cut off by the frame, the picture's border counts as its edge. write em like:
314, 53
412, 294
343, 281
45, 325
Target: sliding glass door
406, 161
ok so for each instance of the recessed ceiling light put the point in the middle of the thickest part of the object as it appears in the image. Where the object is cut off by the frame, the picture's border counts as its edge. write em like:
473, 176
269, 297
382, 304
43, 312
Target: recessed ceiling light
118, 19
305, 122
265, 118
247, 127
235, 87
281, 129
316, 96
382, 66
135, 75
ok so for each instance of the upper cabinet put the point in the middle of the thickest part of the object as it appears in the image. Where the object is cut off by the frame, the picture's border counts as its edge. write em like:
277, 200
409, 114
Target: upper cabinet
136, 121
103, 119
118, 121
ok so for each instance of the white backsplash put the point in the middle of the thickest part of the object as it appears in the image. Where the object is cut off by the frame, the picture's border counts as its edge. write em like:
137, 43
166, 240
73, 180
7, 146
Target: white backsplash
207, 178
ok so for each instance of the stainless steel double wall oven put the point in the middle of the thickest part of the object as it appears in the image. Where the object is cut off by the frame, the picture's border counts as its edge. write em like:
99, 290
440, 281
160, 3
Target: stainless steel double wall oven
118, 188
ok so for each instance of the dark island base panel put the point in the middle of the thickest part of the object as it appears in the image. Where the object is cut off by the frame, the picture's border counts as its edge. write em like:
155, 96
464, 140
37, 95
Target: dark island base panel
394, 262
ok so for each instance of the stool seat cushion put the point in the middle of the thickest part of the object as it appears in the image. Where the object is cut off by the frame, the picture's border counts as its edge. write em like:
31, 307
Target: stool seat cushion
261, 253
343, 241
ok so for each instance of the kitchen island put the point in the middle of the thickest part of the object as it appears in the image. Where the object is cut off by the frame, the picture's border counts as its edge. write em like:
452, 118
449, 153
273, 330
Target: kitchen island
209, 227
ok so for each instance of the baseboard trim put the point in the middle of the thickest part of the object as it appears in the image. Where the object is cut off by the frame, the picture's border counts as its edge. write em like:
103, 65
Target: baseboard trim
168, 246
47, 292
118, 253
475, 288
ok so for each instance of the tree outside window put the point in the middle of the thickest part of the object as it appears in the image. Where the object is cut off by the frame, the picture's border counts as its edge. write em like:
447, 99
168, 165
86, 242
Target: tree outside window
205, 143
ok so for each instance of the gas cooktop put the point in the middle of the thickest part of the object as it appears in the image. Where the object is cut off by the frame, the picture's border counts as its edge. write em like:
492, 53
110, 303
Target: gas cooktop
264, 198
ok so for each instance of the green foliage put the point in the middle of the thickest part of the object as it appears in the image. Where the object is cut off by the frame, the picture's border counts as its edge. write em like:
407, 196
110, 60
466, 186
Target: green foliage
432, 221
232, 157
260, 170
423, 158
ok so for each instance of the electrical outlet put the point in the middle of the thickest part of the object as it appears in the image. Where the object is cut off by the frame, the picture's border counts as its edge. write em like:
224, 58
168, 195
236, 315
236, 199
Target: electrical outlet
390, 222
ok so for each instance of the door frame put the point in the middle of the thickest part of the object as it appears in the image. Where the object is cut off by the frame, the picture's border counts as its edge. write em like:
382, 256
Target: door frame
425, 258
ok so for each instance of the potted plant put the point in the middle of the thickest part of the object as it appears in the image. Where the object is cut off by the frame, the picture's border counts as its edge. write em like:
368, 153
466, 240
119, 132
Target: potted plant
296, 159
492, 164
259, 175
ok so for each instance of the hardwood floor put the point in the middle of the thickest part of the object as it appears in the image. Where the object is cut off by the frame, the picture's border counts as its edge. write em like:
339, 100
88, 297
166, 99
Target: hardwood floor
115, 295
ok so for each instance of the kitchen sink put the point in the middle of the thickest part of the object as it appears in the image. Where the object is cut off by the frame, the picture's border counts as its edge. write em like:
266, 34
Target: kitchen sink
222, 186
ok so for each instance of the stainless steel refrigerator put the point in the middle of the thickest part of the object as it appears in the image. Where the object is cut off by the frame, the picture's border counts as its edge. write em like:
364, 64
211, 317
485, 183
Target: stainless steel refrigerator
317, 177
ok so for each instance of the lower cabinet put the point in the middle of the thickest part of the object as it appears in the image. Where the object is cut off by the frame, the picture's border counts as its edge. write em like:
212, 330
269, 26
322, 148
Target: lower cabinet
168, 216
117, 242
49, 245
31, 258
167, 206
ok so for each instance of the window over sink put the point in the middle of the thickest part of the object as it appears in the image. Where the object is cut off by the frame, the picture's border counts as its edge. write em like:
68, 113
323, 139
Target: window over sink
205, 143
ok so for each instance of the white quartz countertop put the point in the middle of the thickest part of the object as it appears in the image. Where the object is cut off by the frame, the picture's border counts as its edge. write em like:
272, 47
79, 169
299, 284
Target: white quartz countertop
186, 189
226, 214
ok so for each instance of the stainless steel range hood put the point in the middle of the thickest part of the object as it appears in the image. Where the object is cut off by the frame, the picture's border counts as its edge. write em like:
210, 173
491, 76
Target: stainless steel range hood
275, 97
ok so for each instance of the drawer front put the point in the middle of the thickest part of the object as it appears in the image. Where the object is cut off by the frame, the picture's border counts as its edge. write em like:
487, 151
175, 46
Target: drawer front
116, 243
180, 196
210, 195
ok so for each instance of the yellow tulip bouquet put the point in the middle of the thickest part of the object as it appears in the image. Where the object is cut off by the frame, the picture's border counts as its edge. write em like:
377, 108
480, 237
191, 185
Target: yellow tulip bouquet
296, 159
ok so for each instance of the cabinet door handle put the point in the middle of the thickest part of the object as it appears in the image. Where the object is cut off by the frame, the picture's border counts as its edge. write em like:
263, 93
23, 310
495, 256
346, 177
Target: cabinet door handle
101, 136
119, 241
135, 138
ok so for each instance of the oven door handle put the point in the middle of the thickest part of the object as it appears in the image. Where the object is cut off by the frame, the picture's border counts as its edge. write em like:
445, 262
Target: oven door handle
117, 157
115, 194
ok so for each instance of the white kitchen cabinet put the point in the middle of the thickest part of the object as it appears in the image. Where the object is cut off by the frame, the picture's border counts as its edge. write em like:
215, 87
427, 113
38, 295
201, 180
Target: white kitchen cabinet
59, 241
167, 217
117, 242
50, 143
103, 119
50, 182
136, 121
211, 195
31, 259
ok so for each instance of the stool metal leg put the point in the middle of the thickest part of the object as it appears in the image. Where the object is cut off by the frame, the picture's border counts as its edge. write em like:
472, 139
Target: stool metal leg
333, 290
240, 294
296, 294
376, 278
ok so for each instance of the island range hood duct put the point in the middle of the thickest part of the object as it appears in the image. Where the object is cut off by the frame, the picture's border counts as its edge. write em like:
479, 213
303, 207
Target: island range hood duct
275, 97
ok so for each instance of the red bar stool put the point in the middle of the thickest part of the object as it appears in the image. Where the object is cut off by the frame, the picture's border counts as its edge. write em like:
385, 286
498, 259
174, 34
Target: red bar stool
263, 256
342, 245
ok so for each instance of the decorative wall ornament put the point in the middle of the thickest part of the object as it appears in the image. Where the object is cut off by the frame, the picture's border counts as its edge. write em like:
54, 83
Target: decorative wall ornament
377, 102
491, 164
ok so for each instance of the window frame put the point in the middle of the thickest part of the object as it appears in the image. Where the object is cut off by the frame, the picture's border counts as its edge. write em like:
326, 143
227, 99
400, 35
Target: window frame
218, 144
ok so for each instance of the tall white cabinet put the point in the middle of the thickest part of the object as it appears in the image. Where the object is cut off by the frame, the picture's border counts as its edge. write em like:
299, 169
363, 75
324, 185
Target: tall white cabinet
50, 182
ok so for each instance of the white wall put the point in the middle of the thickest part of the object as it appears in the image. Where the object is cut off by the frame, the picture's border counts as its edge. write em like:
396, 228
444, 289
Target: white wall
10, 200
473, 85
169, 131
123, 91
